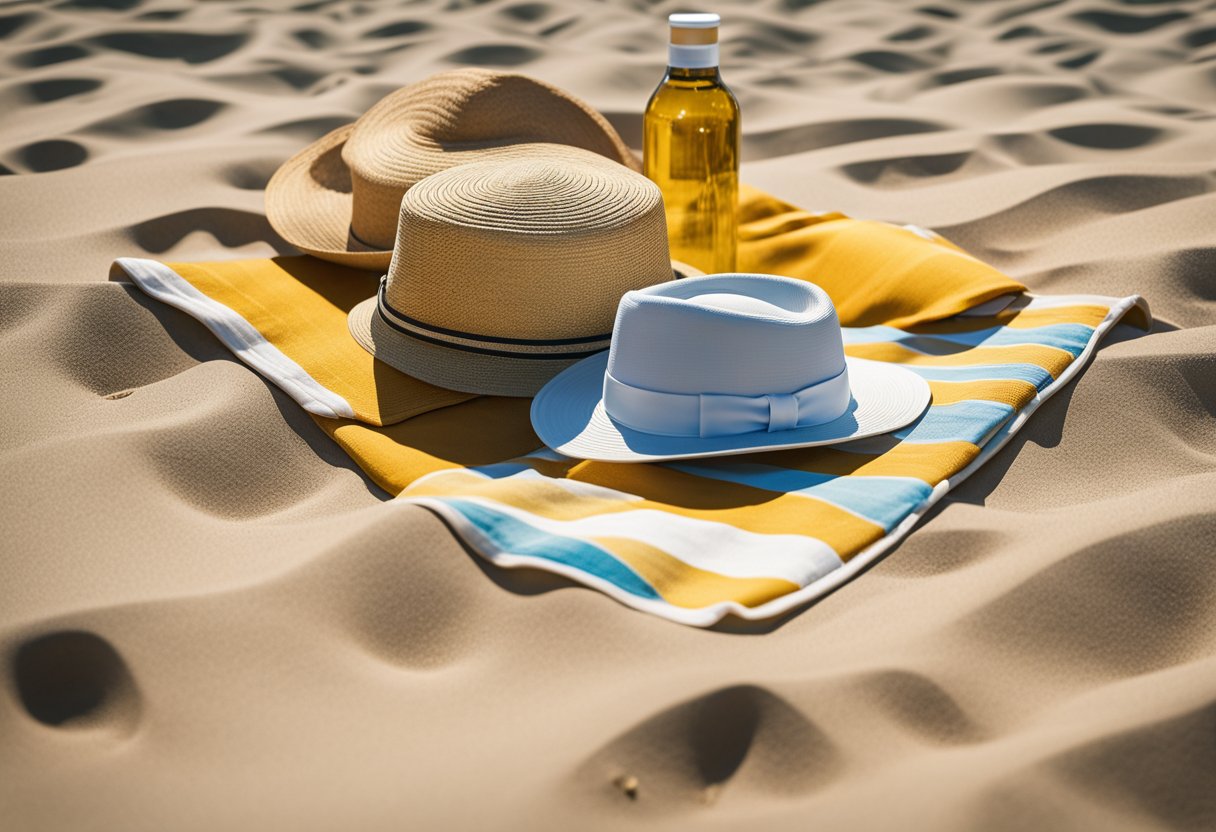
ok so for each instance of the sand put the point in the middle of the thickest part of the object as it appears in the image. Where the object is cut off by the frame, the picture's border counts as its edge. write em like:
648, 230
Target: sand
211, 620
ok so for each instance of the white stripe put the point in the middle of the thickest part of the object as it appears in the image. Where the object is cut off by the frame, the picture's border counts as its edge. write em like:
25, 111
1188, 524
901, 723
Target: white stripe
240, 336
1056, 301
714, 547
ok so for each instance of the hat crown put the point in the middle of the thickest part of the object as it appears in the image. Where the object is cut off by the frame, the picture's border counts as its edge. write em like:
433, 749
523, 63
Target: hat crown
426, 127
729, 334
535, 249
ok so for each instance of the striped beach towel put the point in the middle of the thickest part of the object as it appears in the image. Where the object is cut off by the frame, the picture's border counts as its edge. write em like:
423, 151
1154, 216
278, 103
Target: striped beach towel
750, 536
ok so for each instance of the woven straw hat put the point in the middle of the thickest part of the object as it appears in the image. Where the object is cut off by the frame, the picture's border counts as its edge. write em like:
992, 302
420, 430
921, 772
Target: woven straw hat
507, 271
338, 198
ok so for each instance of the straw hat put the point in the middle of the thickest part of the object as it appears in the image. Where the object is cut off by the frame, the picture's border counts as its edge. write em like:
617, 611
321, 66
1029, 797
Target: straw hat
724, 364
507, 271
338, 198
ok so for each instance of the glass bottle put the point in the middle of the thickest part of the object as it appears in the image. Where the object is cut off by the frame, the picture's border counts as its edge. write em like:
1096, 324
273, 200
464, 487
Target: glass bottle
690, 147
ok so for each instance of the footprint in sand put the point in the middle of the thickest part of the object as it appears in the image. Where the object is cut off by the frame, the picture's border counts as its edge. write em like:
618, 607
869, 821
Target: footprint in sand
912, 33
1127, 24
54, 89
399, 29
171, 114
163, 14
499, 54
112, 5
73, 679
939, 12
233, 228
527, 12
1200, 38
743, 739
190, 47
906, 170
1112, 136
14, 22
51, 55
312, 38
52, 154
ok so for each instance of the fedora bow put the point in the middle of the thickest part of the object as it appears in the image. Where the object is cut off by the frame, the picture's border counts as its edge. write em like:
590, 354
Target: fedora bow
718, 414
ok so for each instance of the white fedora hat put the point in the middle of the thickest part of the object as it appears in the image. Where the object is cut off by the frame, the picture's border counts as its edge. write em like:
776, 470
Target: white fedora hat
722, 364
507, 271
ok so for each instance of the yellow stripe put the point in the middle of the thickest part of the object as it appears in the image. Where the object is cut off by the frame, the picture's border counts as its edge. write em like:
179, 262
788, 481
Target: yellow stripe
300, 305
1011, 391
931, 462
687, 586
390, 465
1051, 359
741, 506
454, 437
1086, 315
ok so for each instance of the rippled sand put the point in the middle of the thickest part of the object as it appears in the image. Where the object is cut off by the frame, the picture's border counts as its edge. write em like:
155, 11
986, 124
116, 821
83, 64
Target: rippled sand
211, 620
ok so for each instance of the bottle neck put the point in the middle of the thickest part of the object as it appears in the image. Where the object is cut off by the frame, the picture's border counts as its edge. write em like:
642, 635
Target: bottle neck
688, 73
692, 55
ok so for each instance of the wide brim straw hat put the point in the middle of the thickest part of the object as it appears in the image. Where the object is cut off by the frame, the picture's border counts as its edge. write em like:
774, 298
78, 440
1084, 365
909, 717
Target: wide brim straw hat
507, 271
338, 198
729, 340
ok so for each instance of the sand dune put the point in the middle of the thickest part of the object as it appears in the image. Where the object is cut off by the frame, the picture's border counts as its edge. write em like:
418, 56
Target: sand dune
211, 619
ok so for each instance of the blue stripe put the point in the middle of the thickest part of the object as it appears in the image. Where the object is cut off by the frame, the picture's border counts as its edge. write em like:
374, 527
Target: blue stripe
971, 421
883, 501
517, 537
1031, 373
1072, 338
500, 470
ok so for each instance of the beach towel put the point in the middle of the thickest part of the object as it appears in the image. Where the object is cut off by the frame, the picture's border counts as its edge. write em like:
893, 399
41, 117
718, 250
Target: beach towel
751, 536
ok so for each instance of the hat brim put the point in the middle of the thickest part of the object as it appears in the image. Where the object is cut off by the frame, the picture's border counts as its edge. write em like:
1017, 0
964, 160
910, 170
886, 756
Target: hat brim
448, 367
310, 199
309, 202
568, 415
456, 369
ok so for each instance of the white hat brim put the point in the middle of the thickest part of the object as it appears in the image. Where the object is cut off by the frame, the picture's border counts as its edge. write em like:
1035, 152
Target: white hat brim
568, 415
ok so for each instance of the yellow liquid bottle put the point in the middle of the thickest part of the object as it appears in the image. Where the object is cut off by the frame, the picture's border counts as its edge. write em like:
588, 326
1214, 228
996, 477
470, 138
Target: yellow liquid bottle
690, 147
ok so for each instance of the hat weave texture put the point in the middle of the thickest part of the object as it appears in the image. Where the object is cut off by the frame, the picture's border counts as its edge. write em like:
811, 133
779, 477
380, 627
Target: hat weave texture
338, 199
506, 272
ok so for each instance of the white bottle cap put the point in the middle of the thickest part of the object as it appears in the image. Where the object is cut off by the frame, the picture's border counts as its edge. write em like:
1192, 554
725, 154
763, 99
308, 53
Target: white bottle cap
694, 40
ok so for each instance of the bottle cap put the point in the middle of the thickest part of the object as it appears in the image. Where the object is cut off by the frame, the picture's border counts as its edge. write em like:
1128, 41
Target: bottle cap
694, 40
